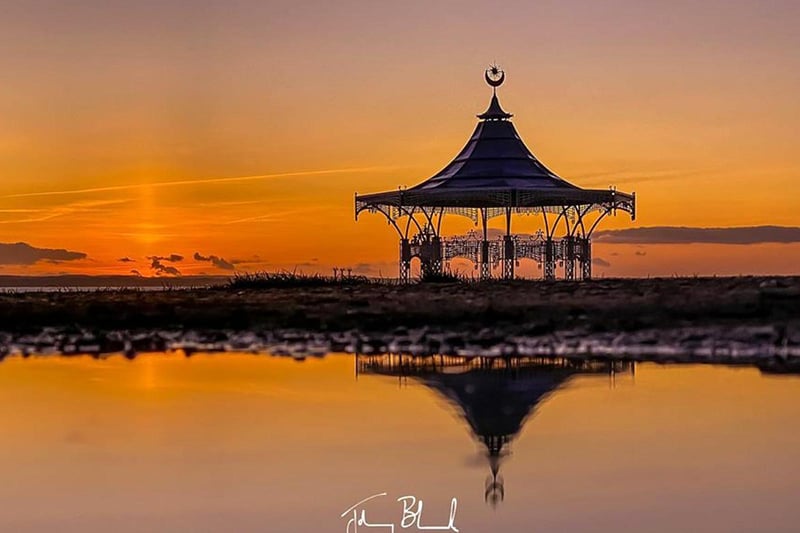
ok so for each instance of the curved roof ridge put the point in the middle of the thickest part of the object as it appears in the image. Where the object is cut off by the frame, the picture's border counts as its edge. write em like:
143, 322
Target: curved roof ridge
494, 156
494, 111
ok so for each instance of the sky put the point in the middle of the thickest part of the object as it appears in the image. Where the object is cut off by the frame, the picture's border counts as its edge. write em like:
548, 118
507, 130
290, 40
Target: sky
234, 134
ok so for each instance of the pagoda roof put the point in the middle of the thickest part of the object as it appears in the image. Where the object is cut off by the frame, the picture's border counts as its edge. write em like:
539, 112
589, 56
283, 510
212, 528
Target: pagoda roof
495, 404
494, 157
495, 169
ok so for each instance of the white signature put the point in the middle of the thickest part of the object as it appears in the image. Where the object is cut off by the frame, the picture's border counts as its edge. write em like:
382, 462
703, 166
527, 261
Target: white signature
412, 516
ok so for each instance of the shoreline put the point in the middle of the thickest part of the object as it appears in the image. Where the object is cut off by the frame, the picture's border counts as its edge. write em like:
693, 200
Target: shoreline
761, 347
518, 306
703, 319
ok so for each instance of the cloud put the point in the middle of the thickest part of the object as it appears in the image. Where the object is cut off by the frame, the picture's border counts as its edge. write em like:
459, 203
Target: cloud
158, 266
640, 253
22, 253
599, 261
215, 260
172, 258
136, 273
126, 260
689, 235
162, 269
251, 260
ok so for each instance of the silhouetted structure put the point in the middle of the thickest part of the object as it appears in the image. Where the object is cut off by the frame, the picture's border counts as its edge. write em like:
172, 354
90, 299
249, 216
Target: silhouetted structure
495, 396
496, 175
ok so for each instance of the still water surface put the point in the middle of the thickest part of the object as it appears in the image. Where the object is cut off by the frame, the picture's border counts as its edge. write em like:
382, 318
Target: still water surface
246, 443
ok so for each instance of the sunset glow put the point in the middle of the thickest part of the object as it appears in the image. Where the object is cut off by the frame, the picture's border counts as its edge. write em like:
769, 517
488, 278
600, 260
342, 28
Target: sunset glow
241, 130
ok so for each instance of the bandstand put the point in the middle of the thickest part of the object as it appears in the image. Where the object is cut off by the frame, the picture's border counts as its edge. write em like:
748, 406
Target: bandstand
496, 175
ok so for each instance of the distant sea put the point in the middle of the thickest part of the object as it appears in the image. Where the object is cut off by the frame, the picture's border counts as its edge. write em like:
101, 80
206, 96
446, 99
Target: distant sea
93, 283
77, 289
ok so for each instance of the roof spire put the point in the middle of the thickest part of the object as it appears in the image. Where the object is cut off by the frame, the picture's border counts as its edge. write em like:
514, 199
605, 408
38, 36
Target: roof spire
494, 76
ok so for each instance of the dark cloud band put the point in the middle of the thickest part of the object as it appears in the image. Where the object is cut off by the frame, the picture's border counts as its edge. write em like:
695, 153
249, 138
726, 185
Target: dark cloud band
217, 261
171, 258
163, 270
22, 253
689, 235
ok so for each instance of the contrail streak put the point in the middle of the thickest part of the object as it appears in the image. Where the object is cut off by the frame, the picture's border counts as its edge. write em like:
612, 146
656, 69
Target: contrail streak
68, 209
198, 181
277, 215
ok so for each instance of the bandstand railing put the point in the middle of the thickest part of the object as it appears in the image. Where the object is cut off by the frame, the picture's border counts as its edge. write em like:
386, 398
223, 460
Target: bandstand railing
572, 254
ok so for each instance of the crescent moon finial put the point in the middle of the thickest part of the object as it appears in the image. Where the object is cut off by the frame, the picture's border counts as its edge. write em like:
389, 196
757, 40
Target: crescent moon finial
494, 76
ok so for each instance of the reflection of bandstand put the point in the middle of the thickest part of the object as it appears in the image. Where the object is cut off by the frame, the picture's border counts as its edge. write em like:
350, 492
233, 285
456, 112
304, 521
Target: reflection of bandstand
495, 396
496, 175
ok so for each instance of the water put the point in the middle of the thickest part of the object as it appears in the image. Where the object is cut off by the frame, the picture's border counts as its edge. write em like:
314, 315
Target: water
78, 288
236, 442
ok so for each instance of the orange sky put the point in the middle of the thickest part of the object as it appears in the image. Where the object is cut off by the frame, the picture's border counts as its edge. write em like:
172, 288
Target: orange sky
105, 106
